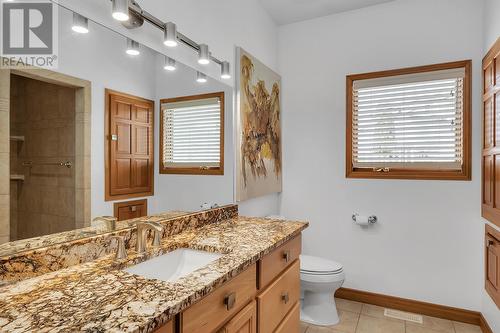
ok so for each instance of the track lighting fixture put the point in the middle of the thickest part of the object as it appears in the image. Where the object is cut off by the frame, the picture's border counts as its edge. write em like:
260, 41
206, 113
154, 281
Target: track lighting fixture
200, 77
133, 47
170, 64
204, 55
80, 24
224, 70
120, 10
170, 39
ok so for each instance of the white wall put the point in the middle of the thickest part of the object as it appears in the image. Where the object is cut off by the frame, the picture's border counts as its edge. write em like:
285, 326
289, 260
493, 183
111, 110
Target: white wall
222, 24
491, 23
100, 58
491, 34
427, 244
188, 192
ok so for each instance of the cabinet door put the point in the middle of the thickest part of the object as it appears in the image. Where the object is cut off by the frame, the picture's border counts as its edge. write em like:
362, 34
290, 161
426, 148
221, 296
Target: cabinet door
291, 323
129, 157
491, 136
492, 261
244, 322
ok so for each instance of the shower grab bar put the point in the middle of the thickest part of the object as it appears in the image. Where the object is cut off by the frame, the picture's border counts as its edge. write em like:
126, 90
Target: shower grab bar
66, 164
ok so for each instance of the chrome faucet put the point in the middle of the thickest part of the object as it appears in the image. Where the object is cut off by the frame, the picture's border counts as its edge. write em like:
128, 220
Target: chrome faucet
109, 222
121, 252
142, 227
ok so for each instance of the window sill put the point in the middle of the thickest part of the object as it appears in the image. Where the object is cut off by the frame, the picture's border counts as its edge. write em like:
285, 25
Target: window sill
192, 171
409, 174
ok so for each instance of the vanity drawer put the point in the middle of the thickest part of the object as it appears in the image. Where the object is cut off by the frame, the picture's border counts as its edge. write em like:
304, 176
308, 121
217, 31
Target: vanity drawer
279, 298
291, 323
216, 308
275, 262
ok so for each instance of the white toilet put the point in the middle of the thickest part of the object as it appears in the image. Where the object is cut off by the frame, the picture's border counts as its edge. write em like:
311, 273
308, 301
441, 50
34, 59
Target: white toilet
319, 279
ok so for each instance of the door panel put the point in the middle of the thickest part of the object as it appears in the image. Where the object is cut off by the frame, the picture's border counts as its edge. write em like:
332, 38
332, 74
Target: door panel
493, 266
244, 322
492, 262
129, 157
142, 114
141, 173
123, 110
487, 188
122, 173
142, 140
123, 134
491, 137
488, 123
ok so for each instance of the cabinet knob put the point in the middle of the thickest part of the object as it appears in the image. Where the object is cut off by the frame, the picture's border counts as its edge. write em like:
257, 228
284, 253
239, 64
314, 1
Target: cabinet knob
285, 298
229, 301
114, 137
286, 256
489, 243
133, 208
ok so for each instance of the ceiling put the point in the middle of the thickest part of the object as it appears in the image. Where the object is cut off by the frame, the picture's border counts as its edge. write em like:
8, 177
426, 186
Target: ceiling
289, 11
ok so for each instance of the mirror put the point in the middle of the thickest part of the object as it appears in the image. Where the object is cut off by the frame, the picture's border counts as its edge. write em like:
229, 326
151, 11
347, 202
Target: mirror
116, 123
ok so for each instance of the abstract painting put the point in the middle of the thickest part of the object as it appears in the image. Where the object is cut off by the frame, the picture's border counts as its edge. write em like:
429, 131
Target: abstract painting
258, 144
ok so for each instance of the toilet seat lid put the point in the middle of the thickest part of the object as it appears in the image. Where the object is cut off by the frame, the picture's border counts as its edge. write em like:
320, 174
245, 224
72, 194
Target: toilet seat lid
317, 265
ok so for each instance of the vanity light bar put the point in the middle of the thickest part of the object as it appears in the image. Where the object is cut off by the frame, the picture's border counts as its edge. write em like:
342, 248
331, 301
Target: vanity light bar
164, 27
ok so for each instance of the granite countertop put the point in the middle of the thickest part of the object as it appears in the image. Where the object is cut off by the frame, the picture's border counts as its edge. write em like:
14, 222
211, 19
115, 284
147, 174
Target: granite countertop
98, 297
67, 236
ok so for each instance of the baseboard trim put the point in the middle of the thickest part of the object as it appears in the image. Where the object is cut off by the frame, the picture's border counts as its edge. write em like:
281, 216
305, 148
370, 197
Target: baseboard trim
404, 304
484, 325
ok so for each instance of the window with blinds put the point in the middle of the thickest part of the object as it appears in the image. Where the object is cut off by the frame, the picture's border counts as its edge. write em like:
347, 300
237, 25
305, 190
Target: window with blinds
192, 134
410, 124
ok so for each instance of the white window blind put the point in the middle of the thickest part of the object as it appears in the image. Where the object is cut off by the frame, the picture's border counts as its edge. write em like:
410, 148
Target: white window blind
191, 133
409, 121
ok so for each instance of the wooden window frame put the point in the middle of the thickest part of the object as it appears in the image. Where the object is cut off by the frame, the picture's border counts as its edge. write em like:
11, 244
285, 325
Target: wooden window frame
216, 171
418, 174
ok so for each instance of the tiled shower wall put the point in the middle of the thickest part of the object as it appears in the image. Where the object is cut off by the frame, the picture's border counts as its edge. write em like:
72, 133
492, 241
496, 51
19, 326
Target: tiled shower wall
4, 156
44, 114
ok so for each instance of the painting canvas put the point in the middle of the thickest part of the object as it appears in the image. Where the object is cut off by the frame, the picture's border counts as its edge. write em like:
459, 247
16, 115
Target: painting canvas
258, 167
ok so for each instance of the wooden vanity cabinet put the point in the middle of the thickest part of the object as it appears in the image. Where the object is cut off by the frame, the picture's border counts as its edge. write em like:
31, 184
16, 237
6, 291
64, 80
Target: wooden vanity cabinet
264, 298
244, 322
492, 263
130, 209
167, 328
220, 305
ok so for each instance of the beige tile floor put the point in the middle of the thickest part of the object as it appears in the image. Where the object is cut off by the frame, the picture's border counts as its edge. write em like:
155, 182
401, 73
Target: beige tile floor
365, 318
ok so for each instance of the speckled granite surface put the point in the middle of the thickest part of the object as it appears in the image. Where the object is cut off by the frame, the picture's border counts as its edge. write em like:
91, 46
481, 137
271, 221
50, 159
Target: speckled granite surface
8, 249
31, 263
98, 297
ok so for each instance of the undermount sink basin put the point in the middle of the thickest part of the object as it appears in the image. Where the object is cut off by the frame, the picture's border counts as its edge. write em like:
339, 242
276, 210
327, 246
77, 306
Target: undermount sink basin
173, 265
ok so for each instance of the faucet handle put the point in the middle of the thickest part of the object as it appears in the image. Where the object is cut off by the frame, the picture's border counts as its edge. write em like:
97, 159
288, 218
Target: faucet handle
158, 230
121, 251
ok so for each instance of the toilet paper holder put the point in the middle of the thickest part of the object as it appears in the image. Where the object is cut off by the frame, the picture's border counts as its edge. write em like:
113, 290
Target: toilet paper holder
371, 219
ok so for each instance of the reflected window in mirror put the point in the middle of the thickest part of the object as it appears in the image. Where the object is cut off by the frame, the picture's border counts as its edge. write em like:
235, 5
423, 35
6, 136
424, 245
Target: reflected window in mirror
192, 135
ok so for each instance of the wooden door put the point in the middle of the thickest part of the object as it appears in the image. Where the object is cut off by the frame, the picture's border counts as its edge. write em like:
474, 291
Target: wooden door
244, 322
130, 154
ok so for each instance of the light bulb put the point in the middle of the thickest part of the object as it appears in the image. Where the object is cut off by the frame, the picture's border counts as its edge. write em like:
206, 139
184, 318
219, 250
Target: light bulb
200, 77
80, 24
